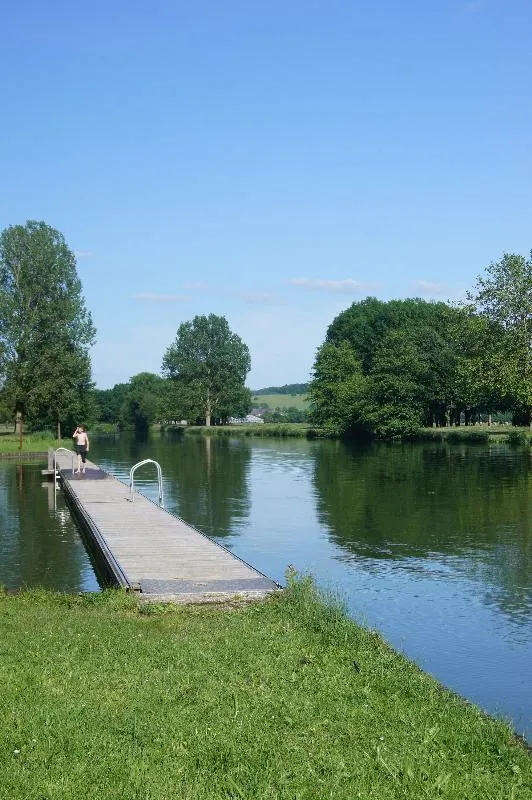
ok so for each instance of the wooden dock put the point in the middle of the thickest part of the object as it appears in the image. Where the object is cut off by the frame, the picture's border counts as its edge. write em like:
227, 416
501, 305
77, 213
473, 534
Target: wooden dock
144, 548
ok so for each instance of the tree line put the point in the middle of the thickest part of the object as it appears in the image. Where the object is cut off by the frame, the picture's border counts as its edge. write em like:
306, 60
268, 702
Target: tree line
387, 369
46, 333
288, 388
147, 398
204, 372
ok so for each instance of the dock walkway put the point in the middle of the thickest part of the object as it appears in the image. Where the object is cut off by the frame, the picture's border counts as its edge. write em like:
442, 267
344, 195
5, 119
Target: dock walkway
149, 550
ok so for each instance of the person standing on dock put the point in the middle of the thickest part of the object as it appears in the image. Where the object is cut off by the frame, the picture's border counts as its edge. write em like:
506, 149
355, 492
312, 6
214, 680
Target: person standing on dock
82, 447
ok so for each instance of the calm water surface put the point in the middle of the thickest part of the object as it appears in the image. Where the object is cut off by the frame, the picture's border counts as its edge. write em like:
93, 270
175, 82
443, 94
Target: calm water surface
429, 544
39, 544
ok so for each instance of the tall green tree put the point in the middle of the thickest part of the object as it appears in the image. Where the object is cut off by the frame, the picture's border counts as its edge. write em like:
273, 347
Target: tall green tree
476, 385
366, 323
504, 297
399, 387
45, 328
338, 391
387, 368
207, 365
141, 403
108, 403
62, 390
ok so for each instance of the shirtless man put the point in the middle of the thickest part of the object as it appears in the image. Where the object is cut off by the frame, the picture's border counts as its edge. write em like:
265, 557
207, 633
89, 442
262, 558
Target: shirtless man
82, 446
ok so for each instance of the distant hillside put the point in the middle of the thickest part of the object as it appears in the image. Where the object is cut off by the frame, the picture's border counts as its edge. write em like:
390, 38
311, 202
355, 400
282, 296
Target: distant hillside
273, 401
288, 388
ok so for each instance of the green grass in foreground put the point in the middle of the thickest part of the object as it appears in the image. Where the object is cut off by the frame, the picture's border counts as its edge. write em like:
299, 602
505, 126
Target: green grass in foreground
101, 701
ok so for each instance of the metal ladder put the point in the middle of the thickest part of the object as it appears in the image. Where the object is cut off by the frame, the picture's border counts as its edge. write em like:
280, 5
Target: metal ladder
66, 450
159, 476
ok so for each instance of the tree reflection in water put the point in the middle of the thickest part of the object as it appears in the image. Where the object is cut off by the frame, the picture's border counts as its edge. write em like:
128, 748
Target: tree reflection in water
39, 545
467, 508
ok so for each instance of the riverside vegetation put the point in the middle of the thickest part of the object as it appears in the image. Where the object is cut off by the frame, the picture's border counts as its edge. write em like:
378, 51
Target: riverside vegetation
385, 370
292, 430
284, 699
390, 369
39, 442
36, 442
482, 434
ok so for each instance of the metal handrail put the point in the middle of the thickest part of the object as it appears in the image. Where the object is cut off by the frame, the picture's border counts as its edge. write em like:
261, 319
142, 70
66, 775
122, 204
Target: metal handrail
55, 462
159, 476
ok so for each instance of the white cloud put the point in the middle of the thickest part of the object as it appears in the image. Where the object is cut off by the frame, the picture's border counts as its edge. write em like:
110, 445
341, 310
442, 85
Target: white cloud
344, 286
434, 289
162, 298
83, 253
260, 298
441, 290
251, 296
429, 286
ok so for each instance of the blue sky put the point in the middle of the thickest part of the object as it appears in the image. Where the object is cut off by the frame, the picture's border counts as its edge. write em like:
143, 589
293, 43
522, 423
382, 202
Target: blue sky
269, 160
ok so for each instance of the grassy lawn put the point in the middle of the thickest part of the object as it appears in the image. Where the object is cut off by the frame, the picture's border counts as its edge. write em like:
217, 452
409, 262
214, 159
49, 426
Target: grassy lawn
31, 443
299, 401
287, 699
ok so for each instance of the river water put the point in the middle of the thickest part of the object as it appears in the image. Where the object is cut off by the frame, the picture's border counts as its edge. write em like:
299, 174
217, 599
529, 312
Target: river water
430, 544
39, 542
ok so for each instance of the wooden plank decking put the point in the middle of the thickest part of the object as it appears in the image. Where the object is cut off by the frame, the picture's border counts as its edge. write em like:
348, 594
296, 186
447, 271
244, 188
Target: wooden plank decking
147, 549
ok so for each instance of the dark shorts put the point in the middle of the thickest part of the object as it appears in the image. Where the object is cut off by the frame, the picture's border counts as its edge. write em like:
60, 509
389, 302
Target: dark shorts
81, 450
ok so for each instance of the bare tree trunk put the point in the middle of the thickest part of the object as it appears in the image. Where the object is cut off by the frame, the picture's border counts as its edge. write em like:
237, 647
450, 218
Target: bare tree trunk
58, 430
19, 425
208, 411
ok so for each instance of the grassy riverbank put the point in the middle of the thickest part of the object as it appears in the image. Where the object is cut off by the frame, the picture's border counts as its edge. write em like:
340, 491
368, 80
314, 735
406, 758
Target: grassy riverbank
31, 443
40, 442
478, 434
287, 699
290, 429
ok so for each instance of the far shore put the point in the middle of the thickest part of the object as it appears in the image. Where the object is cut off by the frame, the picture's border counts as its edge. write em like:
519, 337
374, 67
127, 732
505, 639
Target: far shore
36, 445
481, 433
